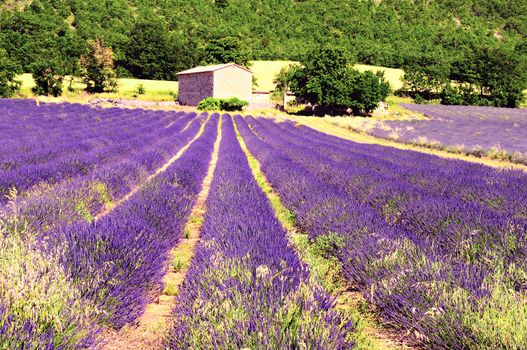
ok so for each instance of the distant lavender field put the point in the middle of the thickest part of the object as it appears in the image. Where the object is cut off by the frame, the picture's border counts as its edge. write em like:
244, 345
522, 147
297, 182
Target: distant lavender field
454, 126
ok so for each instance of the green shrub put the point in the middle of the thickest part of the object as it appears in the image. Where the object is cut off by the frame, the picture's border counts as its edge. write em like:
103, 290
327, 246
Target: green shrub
224, 104
140, 90
209, 104
232, 104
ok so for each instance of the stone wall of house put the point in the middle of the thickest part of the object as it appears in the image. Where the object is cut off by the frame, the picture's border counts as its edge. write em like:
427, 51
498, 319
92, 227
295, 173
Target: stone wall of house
233, 82
195, 87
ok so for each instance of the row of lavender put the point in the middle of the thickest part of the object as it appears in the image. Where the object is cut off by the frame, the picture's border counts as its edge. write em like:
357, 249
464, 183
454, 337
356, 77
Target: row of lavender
119, 259
76, 276
464, 181
246, 288
438, 245
46, 148
495, 132
86, 195
31, 133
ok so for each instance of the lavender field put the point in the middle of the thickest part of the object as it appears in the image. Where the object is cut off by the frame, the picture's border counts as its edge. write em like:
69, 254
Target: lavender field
95, 200
438, 246
497, 132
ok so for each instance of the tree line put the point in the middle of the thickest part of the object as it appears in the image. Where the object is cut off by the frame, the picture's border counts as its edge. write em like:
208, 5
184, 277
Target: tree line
488, 74
155, 39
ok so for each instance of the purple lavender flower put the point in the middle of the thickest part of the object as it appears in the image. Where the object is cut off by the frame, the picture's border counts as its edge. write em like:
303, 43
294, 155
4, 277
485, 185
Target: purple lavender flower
246, 288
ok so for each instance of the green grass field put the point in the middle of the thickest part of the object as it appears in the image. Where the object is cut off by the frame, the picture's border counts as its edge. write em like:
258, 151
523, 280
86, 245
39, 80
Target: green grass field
393, 76
162, 90
265, 71
155, 90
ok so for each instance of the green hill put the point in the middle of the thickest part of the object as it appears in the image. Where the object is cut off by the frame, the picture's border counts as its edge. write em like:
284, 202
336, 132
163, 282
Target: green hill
154, 39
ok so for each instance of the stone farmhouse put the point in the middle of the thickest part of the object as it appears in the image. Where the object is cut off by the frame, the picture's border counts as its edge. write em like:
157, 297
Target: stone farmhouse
220, 81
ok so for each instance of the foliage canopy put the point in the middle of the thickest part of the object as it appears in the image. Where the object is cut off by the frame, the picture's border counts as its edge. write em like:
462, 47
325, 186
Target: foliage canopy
9, 69
97, 68
327, 79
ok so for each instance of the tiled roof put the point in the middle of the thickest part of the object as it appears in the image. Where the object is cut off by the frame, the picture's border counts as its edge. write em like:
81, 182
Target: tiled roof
213, 68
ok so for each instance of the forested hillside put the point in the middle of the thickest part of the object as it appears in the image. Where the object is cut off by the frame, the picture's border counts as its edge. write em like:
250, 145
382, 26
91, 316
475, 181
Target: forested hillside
156, 38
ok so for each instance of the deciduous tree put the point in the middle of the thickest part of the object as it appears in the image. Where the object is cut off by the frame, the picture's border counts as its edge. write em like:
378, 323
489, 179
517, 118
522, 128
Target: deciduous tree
9, 70
152, 52
225, 50
48, 75
98, 68
328, 80
283, 80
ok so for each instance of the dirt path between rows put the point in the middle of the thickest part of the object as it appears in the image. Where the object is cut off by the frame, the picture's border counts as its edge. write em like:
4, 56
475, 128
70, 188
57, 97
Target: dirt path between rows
151, 327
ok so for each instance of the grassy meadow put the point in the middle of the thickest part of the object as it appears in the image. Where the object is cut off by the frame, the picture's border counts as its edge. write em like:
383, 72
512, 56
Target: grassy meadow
393, 76
155, 90
265, 71
162, 90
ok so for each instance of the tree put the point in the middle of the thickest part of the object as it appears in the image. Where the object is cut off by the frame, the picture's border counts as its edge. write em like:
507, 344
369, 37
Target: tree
9, 70
41, 42
226, 50
368, 89
97, 68
426, 75
502, 74
325, 78
153, 52
110, 21
48, 67
148, 50
387, 33
283, 80
48, 76
494, 75
328, 80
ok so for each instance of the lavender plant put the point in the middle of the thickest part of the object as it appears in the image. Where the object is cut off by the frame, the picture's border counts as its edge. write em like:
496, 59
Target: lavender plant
39, 306
246, 288
498, 133
118, 262
48, 147
92, 193
65, 275
440, 261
